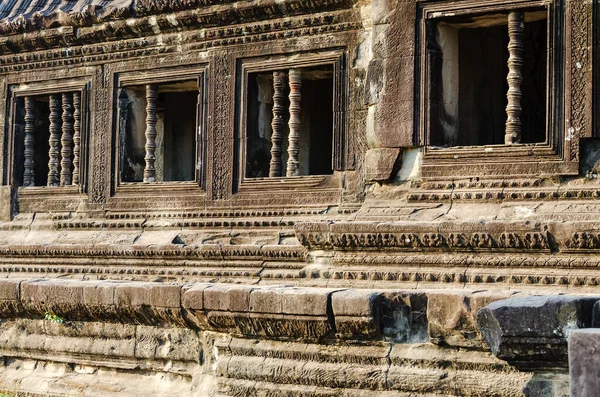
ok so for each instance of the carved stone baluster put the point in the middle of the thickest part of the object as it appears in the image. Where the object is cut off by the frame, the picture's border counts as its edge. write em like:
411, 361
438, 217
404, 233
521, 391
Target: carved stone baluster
76, 137
293, 164
54, 153
516, 26
66, 163
151, 107
29, 173
278, 123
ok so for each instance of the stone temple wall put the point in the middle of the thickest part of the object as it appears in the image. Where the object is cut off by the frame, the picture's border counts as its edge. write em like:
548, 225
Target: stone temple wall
415, 260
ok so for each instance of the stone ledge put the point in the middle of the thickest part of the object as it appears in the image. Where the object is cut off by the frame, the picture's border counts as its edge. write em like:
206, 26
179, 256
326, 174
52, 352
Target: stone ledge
447, 318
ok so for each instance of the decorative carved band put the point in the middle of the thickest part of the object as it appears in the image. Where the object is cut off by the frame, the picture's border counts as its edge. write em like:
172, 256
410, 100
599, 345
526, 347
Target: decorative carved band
55, 130
293, 164
421, 241
278, 123
76, 137
151, 107
29, 173
66, 164
516, 27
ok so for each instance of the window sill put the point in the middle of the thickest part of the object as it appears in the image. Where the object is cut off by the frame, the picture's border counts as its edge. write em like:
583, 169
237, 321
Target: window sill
495, 161
48, 190
289, 183
485, 152
137, 188
49, 198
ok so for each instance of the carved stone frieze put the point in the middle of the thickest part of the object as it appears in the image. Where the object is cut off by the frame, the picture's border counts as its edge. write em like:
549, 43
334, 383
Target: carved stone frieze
308, 236
583, 241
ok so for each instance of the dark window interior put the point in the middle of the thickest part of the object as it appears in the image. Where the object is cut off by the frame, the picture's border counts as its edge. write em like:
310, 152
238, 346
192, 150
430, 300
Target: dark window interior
316, 122
176, 132
468, 67
41, 140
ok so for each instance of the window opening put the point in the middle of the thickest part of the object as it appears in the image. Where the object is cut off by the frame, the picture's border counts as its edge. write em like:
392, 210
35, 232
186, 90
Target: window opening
289, 122
488, 79
157, 125
48, 140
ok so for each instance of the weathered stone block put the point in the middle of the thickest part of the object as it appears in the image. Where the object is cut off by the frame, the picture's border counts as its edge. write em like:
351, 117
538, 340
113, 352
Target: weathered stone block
132, 294
165, 295
100, 294
167, 344
450, 320
63, 297
10, 304
227, 297
304, 301
193, 296
356, 313
584, 362
380, 163
9, 289
532, 331
266, 300
149, 303
7, 194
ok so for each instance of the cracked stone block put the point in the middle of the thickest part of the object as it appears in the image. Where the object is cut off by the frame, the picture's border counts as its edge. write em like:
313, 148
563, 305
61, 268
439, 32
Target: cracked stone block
530, 332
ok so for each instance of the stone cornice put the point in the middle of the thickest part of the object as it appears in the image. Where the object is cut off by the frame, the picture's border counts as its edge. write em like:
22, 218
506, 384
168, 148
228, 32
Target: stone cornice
60, 29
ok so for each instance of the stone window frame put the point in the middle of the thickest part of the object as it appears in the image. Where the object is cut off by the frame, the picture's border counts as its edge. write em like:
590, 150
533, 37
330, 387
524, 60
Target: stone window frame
559, 154
167, 74
337, 58
21, 89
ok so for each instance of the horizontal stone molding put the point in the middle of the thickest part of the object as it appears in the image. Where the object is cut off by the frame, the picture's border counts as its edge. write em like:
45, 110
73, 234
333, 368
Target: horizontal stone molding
183, 251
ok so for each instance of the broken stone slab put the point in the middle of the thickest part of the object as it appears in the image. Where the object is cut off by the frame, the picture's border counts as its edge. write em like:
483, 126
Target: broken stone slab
584, 362
531, 332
